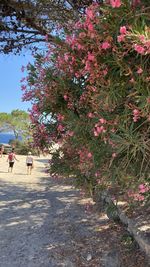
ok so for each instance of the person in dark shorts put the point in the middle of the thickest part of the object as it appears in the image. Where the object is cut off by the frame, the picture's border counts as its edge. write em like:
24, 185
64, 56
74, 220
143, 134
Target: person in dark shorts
11, 160
29, 163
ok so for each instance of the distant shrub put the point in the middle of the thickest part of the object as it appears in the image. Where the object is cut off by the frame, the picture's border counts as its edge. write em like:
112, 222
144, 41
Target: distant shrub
21, 148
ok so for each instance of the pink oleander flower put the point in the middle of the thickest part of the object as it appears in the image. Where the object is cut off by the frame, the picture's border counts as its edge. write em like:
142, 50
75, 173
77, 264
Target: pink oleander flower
111, 143
71, 133
97, 173
101, 129
115, 3
136, 2
102, 120
93, 89
89, 13
82, 34
136, 115
120, 38
98, 130
90, 27
79, 46
130, 193
91, 57
143, 188
66, 57
136, 112
65, 97
114, 155
87, 66
139, 71
105, 45
140, 49
142, 38
89, 155
60, 128
105, 72
96, 133
60, 117
148, 100
113, 130
132, 80
138, 197
90, 115
98, 181
135, 196
78, 25
147, 44
77, 75
123, 30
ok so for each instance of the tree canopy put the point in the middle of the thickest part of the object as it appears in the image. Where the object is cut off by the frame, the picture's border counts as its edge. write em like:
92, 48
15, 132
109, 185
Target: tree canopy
26, 23
17, 121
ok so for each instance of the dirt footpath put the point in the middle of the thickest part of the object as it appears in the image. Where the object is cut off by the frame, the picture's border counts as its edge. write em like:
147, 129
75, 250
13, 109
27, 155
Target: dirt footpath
43, 223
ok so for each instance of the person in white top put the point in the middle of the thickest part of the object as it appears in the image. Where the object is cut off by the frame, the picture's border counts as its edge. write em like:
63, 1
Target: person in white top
29, 163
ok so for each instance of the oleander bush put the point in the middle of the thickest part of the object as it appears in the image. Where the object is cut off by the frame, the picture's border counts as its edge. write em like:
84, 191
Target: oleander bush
91, 95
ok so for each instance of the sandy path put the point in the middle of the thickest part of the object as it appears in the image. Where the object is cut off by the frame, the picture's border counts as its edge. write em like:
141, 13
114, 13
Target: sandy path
44, 224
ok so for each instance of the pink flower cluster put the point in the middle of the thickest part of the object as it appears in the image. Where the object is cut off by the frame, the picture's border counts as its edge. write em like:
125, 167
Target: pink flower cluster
85, 155
136, 2
60, 117
139, 49
143, 188
60, 128
99, 127
115, 3
98, 181
84, 88
114, 155
90, 115
136, 115
140, 70
123, 32
85, 160
143, 47
138, 196
105, 45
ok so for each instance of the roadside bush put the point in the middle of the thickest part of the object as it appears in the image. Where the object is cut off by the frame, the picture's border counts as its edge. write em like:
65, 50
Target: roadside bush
92, 96
21, 148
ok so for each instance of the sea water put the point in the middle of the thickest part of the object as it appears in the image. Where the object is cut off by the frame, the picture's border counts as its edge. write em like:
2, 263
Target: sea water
6, 137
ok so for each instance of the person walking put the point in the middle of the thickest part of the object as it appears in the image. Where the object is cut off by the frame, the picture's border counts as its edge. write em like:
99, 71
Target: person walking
11, 160
29, 163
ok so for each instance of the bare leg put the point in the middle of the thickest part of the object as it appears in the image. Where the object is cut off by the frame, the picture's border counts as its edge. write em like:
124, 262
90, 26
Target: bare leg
27, 169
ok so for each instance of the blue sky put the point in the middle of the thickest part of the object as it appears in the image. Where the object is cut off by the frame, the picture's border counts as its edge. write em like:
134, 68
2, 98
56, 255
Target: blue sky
10, 76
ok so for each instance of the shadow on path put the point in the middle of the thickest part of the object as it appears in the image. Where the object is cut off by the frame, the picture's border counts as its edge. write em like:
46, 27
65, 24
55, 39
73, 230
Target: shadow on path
45, 227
